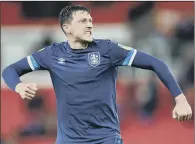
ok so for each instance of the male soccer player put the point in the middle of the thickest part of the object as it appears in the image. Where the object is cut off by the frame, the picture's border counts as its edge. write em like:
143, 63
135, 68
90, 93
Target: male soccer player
83, 72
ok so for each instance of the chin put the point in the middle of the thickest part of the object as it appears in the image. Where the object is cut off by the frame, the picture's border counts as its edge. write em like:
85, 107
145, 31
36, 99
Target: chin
85, 38
88, 39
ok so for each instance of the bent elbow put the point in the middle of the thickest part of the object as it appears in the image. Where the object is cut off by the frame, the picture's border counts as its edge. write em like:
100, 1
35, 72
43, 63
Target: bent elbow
6, 71
160, 65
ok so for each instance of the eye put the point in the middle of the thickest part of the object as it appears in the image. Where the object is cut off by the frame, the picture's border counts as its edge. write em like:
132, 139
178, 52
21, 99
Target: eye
83, 21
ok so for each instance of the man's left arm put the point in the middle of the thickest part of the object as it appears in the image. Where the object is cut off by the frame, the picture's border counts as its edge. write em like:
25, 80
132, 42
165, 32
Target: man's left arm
182, 110
121, 55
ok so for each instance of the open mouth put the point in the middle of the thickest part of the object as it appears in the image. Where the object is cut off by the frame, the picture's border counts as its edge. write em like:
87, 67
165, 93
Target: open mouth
88, 32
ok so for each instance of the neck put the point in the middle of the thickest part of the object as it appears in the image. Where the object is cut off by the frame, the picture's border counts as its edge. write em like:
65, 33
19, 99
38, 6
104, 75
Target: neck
77, 44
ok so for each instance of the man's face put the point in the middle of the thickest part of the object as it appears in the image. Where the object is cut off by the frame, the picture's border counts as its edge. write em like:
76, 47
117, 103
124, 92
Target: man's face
81, 26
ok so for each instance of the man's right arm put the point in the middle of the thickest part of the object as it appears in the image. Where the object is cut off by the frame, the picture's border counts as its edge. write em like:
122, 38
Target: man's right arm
12, 73
11, 76
37, 61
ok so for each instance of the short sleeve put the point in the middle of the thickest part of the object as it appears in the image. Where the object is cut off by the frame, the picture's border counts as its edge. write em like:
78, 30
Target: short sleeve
40, 60
121, 55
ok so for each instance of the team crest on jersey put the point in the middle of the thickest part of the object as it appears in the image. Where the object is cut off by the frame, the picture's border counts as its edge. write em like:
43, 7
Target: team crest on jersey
94, 59
125, 47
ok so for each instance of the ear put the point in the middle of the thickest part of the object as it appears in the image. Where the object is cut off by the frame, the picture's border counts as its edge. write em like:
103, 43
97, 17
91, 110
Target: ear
66, 28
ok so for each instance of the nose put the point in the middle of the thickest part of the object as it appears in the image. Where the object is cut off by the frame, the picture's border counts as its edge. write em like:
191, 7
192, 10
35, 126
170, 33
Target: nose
89, 25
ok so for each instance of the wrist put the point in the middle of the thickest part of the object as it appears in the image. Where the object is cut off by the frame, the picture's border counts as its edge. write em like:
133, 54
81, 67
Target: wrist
180, 98
17, 87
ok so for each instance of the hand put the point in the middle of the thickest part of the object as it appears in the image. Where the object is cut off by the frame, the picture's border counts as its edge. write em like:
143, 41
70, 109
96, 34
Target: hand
26, 91
182, 110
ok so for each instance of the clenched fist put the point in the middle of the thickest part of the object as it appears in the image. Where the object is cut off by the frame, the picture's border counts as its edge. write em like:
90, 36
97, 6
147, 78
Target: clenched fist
182, 110
26, 91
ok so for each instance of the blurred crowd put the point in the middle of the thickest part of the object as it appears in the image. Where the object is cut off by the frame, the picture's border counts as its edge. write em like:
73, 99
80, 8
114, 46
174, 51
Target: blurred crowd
162, 34
173, 44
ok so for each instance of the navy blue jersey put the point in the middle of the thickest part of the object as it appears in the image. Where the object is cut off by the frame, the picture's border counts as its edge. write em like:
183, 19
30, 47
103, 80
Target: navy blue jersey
85, 85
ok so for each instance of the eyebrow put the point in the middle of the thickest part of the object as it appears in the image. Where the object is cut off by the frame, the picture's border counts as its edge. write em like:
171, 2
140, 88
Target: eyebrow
85, 19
